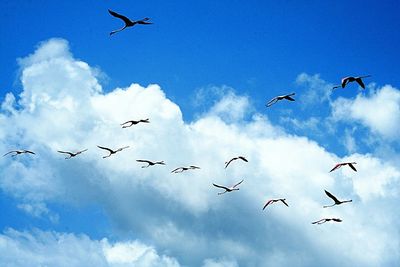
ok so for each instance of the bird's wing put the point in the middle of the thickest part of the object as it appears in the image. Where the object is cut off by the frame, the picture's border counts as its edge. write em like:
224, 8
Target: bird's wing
82, 151
336, 86
65, 152
237, 184
115, 14
337, 166
221, 186
228, 162
176, 169
352, 166
272, 101
106, 148
30, 152
332, 196
9, 152
345, 81
284, 202
126, 122
318, 221
360, 82
144, 160
268, 202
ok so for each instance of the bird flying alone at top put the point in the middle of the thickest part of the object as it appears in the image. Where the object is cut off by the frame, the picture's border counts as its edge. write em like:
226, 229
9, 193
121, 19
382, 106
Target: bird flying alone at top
228, 189
236, 158
150, 163
182, 169
350, 79
337, 202
339, 165
71, 154
19, 152
133, 122
271, 201
111, 151
127, 21
326, 220
280, 97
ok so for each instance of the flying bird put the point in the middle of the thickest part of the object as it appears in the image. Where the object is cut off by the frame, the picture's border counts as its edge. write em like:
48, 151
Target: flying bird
228, 189
71, 154
111, 151
281, 97
236, 158
337, 202
127, 21
339, 165
350, 79
132, 122
326, 220
19, 152
150, 163
182, 169
271, 201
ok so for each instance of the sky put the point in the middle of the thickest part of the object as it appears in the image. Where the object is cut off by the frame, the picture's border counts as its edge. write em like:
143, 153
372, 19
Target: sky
202, 74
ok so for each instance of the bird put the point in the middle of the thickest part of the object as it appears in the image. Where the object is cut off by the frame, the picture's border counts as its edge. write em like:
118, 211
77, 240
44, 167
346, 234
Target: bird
236, 158
326, 220
112, 151
271, 201
337, 202
281, 97
228, 189
150, 163
132, 122
182, 169
18, 152
127, 21
351, 165
71, 154
350, 79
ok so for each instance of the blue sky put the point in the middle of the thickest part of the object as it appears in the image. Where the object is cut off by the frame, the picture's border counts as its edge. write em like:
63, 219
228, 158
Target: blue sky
202, 74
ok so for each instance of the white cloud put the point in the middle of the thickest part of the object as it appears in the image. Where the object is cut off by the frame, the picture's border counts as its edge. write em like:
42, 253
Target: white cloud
63, 107
40, 248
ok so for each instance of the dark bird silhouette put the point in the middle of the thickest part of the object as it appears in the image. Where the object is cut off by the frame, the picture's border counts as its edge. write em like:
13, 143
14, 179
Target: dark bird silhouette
350, 79
182, 169
132, 122
19, 152
71, 154
236, 158
112, 151
326, 220
150, 163
228, 189
339, 165
337, 202
281, 97
127, 21
271, 201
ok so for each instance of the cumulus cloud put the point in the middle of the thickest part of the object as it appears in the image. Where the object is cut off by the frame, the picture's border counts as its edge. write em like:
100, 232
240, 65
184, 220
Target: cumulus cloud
63, 106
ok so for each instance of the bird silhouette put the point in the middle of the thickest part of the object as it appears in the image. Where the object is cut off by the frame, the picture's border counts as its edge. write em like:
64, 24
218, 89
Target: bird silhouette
182, 169
111, 151
228, 189
71, 154
281, 97
150, 163
350, 79
127, 21
339, 165
133, 122
326, 220
271, 201
19, 152
236, 158
337, 202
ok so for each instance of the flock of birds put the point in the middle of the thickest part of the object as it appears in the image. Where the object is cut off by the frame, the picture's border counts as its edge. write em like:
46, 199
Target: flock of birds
129, 23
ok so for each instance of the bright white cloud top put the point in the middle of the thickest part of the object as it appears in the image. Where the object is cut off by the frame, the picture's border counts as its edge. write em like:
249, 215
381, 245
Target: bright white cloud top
63, 106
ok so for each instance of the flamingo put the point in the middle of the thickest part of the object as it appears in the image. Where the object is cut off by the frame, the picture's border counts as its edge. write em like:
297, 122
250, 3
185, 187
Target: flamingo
271, 201
350, 79
281, 97
71, 154
236, 158
150, 163
326, 220
182, 169
111, 151
337, 202
132, 122
339, 165
19, 152
127, 21
228, 189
